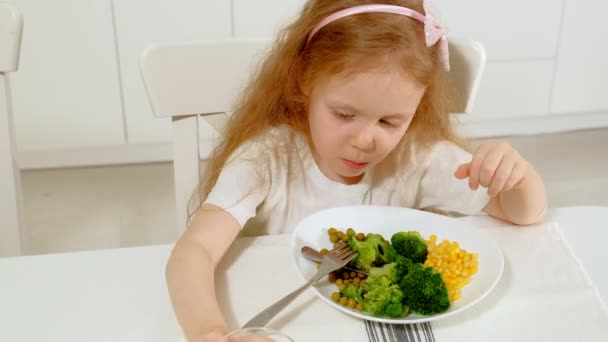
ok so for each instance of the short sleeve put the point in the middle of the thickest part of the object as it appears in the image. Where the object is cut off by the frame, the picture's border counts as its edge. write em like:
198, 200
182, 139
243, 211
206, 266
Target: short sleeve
441, 190
243, 183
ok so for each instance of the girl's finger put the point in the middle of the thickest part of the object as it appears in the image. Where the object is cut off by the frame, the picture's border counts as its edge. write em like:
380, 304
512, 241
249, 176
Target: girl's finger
463, 171
517, 175
215, 337
489, 166
501, 176
478, 158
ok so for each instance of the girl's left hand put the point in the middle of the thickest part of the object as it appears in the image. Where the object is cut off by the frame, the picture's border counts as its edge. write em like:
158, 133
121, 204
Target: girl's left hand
495, 166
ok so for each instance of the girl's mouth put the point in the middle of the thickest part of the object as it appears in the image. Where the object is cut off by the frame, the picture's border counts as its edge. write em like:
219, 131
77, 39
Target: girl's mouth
353, 164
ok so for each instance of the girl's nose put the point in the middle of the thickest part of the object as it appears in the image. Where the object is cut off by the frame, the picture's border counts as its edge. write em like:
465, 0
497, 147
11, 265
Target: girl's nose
363, 139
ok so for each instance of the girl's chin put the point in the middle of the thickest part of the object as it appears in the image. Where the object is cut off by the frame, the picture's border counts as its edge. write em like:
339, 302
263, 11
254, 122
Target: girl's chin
352, 177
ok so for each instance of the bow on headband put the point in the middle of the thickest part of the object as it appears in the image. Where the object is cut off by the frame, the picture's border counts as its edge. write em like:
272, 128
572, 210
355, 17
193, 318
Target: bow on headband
435, 32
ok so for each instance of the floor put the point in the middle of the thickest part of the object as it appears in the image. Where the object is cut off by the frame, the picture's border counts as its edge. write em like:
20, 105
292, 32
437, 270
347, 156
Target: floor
108, 207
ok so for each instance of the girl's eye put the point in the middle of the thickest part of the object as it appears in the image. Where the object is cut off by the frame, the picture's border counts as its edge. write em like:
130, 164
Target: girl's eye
387, 123
344, 116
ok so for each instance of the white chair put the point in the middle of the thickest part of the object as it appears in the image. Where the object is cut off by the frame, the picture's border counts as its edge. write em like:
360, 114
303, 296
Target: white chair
188, 79
12, 225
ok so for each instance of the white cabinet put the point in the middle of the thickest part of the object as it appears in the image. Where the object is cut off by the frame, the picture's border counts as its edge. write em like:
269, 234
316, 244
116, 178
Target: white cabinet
509, 30
581, 80
514, 89
521, 39
66, 92
141, 22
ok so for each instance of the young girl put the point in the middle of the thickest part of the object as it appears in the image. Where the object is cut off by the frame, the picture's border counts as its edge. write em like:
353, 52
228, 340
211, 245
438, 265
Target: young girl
350, 107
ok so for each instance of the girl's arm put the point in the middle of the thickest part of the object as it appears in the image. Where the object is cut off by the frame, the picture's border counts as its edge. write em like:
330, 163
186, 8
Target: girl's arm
517, 190
191, 267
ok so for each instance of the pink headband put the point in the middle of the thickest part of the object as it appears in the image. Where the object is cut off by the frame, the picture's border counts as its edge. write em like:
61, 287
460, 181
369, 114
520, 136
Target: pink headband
433, 30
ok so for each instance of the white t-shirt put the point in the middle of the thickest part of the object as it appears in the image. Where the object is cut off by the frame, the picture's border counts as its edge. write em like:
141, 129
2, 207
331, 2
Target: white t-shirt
269, 190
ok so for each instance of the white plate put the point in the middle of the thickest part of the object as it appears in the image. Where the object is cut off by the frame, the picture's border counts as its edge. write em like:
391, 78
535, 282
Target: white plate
312, 231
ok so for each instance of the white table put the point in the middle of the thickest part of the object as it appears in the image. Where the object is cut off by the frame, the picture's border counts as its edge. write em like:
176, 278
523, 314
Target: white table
585, 231
120, 295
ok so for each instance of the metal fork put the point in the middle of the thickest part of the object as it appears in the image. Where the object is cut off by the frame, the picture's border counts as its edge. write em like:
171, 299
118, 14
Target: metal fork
332, 260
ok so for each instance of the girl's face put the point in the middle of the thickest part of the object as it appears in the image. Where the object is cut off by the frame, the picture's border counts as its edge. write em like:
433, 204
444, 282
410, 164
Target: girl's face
357, 120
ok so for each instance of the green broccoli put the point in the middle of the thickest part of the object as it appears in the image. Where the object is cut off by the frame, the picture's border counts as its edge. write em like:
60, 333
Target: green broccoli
403, 266
367, 254
384, 251
410, 245
424, 290
396, 310
394, 271
383, 298
389, 271
353, 291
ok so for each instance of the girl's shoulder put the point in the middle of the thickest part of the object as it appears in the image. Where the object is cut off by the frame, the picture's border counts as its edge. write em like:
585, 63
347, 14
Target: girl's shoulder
443, 158
438, 152
272, 143
447, 149
419, 159
273, 135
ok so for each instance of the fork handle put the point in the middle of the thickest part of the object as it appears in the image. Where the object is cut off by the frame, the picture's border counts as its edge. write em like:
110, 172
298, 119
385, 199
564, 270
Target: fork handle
265, 316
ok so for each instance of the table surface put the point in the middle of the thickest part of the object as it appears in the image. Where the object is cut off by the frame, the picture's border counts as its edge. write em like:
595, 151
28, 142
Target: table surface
120, 294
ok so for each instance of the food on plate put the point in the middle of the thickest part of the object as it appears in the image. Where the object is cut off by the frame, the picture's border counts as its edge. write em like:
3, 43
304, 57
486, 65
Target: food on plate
403, 275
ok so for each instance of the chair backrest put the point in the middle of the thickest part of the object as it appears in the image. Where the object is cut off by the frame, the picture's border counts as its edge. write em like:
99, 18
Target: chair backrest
202, 77
11, 26
184, 80
198, 77
468, 61
12, 231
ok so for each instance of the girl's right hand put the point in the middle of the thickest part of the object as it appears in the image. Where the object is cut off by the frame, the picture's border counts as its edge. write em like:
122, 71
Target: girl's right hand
217, 337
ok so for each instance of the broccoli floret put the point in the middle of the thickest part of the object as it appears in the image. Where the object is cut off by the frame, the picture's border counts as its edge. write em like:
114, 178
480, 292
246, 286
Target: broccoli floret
403, 265
389, 271
410, 245
366, 251
374, 250
384, 251
353, 291
374, 238
383, 298
424, 290
396, 310
394, 271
